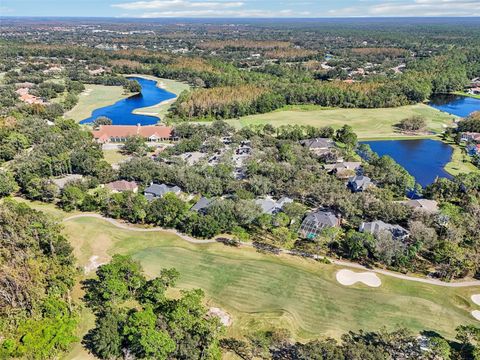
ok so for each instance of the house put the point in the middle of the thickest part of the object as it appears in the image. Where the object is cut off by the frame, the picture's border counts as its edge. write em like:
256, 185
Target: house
318, 145
270, 206
377, 227
473, 149
122, 185
474, 91
64, 180
119, 133
315, 222
359, 183
344, 169
470, 137
429, 206
202, 205
155, 191
28, 98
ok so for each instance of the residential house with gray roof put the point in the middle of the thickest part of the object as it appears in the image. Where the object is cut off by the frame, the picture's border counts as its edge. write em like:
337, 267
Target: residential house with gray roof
270, 206
155, 191
377, 227
315, 222
359, 183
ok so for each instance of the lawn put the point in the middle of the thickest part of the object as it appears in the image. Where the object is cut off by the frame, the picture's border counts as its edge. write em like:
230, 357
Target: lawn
477, 96
367, 123
161, 109
94, 97
460, 163
261, 291
114, 156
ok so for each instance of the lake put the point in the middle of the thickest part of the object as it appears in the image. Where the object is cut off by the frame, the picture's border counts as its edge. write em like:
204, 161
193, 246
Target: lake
121, 111
453, 104
423, 159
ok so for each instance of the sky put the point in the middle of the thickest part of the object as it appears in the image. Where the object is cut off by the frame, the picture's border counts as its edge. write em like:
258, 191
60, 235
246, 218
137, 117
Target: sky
239, 8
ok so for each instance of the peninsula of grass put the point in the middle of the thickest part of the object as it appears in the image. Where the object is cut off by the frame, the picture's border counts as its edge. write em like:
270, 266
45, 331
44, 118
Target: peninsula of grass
461, 93
367, 123
262, 291
461, 162
94, 97
160, 110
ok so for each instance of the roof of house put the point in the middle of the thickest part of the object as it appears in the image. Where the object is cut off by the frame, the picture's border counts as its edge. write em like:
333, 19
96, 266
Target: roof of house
121, 131
423, 204
159, 190
270, 206
359, 182
378, 226
61, 182
122, 185
317, 143
346, 165
322, 219
201, 204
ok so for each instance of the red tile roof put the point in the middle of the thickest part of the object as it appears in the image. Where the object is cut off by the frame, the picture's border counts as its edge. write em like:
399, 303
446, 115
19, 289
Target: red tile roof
122, 185
121, 131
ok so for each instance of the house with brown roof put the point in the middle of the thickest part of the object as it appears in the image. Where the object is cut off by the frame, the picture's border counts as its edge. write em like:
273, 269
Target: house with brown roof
120, 133
122, 185
429, 206
470, 137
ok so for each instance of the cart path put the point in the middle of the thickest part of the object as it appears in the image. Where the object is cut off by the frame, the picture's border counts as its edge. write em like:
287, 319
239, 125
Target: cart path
192, 240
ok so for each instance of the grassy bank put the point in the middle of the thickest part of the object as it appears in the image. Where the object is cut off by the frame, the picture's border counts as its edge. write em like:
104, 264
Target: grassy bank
264, 290
161, 109
367, 123
97, 96
94, 97
460, 163
461, 93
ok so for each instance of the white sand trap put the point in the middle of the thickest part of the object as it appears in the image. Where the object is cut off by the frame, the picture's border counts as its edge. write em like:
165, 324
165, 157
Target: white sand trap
476, 299
93, 264
476, 314
225, 318
348, 277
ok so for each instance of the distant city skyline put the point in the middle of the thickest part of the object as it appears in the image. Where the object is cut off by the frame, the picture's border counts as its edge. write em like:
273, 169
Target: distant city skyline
240, 8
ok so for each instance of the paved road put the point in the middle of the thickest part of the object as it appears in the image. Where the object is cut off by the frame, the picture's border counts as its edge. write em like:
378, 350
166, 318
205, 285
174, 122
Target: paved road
192, 240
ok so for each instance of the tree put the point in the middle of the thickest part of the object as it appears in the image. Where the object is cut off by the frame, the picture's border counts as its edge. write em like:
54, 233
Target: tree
101, 120
7, 183
357, 245
144, 339
135, 145
167, 211
346, 136
413, 123
133, 86
104, 340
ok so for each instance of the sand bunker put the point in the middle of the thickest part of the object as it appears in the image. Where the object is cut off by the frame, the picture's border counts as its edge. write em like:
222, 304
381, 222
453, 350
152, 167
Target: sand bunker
348, 277
225, 318
476, 314
476, 299
93, 264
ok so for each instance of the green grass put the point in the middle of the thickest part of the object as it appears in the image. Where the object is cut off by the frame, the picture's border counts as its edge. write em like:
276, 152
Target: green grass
261, 291
161, 109
367, 123
94, 97
460, 163
114, 156
461, 93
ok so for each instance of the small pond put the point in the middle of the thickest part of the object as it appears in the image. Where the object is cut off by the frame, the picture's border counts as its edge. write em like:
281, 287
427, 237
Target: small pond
121, 111
456, 105
423, 159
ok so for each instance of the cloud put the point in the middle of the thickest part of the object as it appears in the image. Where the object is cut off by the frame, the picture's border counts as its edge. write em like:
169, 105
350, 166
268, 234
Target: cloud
413, 8
227, 13
178, 4
192, 8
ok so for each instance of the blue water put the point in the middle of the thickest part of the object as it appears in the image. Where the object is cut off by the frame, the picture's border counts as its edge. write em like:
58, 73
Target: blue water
423, 159
457, 105
121, 111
